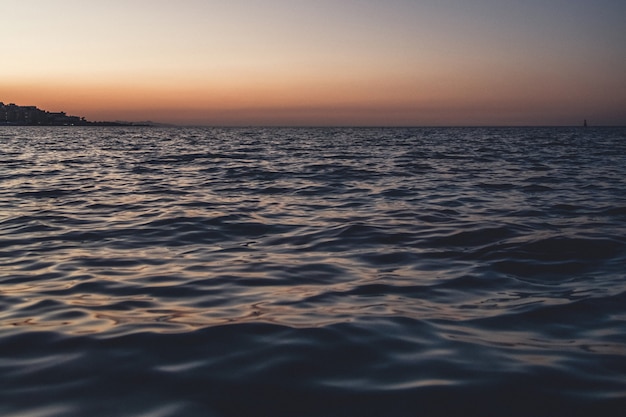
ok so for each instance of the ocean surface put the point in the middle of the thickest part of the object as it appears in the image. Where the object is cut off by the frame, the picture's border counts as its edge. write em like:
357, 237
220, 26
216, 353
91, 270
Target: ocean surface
162, 272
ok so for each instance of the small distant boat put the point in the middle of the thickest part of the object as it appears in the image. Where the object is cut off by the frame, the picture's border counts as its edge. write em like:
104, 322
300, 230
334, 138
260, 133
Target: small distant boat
585, 123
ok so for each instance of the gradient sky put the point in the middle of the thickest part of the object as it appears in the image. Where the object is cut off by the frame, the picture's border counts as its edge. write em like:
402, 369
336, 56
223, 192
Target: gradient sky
322, 62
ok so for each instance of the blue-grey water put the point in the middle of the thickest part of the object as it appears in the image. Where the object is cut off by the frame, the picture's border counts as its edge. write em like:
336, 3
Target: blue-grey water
164, 272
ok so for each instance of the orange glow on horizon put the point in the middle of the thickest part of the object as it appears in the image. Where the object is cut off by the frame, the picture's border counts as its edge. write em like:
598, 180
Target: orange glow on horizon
318, 63
447, 100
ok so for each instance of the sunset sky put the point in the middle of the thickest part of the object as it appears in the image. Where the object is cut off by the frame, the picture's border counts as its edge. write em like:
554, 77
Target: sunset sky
322, 62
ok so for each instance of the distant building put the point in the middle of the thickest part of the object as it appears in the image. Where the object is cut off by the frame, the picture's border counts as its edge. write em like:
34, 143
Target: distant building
12, 114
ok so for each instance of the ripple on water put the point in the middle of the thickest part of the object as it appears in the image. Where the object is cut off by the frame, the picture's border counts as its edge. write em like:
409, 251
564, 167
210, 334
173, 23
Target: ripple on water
312, 272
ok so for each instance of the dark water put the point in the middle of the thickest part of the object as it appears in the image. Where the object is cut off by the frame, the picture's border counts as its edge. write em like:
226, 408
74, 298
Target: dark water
312, 272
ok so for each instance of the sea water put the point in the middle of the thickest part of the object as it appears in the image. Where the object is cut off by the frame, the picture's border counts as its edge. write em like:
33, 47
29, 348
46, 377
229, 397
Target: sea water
312, 272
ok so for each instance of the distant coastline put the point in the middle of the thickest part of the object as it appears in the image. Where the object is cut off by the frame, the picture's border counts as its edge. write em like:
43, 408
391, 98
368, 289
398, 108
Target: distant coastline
14, 115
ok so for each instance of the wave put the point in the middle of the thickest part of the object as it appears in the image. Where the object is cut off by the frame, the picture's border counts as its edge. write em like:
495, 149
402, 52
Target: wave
312, 272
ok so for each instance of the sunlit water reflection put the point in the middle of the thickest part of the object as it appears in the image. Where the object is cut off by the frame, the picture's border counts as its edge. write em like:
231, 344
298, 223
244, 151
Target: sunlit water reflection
312, 272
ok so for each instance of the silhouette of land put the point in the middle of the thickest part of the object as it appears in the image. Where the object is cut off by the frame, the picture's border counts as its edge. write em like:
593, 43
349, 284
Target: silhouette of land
14, 115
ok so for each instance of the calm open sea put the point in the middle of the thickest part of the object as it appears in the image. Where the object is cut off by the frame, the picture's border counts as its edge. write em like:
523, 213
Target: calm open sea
162, 272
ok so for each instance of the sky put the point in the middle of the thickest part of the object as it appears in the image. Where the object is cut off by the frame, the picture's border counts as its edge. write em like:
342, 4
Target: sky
322, 62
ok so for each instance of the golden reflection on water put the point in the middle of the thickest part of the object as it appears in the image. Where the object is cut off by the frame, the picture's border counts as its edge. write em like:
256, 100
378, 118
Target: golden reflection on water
80, 282
224, 284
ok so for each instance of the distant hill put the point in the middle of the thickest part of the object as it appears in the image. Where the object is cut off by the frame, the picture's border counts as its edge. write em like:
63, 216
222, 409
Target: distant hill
12, 114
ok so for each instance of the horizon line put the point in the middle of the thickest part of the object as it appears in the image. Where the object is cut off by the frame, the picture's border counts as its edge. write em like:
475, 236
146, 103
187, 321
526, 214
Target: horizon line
153, 124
